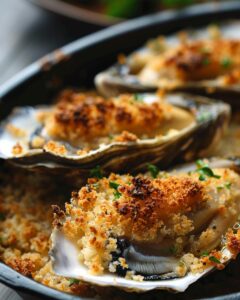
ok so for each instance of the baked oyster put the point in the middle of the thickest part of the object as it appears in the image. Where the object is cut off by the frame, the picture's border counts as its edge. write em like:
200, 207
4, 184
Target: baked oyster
84, 130
161, 230
205, 61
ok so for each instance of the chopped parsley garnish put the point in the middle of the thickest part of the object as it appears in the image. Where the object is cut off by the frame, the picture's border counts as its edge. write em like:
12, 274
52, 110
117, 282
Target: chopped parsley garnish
204, 253
117, 195
73, 281
115, 185
204, 171
214, 259
138, 97
220, 187
96, 172
153, 170
226, 62
2, 216
204, 116
228, 185
201, 164
202, 177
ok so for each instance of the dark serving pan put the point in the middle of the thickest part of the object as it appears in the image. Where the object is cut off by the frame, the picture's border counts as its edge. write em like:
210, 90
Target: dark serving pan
75, 65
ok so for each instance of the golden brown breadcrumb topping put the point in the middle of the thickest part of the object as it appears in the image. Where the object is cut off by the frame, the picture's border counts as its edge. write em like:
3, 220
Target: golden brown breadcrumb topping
149, 203
25, 226
86, 117
176, 209
198, 60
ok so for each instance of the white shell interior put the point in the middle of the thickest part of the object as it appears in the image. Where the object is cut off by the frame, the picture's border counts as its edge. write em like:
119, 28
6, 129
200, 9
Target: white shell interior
65, 260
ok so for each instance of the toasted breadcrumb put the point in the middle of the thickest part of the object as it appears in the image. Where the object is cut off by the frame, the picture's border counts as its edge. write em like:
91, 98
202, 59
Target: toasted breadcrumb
17, 149
55, 148
87, 119
25, 227
194, 61
142, 210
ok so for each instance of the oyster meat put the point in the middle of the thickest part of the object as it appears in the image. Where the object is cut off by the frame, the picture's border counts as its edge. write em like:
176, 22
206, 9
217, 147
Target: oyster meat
160, 230
204, 61
84, 130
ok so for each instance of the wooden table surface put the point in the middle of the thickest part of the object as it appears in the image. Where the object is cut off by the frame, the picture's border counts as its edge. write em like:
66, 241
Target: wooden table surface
26, 34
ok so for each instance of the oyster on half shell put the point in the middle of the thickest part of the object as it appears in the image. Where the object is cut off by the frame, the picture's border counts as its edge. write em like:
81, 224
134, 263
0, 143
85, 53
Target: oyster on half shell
141, 233
203, 61
84, 130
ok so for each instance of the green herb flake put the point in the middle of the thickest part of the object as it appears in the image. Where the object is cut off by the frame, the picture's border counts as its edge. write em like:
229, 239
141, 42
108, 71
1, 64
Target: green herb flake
219, 188
206, 172
2, 216
228, 185
202, 177
153, 170
117, 195
73, 281
115, 185
200, 163
214, 259
204, 116
96, 172
204, 253
226, 62
138, 97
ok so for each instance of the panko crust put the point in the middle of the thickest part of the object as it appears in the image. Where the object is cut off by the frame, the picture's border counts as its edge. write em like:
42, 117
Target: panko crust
199, 60
144, 210
87, 116
149, 203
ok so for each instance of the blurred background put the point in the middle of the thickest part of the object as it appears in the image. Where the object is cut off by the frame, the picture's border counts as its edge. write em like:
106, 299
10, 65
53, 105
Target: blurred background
28, 32
29, 29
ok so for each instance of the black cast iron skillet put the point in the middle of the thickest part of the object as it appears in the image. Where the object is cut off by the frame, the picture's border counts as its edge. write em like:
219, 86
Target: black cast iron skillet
75, 65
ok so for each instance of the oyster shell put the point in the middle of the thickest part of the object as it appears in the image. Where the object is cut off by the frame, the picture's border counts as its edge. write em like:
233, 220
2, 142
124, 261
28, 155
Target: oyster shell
204, 61
75, 133
191, 225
